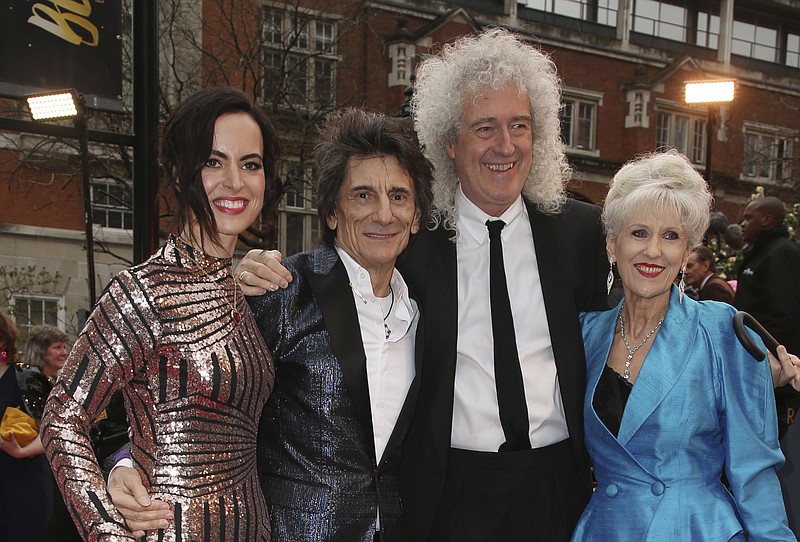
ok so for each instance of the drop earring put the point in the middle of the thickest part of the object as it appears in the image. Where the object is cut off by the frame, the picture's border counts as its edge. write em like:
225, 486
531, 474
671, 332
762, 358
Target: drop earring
610, 279
681, 285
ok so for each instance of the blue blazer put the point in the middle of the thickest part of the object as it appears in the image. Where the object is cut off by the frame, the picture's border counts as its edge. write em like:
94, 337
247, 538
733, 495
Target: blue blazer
700, 404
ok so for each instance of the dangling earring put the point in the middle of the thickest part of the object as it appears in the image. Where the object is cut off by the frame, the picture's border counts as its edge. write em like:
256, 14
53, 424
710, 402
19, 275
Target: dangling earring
681, 285
3, 357
610, 279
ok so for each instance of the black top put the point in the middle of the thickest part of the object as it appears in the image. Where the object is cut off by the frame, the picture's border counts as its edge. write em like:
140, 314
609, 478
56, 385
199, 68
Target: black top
610, 398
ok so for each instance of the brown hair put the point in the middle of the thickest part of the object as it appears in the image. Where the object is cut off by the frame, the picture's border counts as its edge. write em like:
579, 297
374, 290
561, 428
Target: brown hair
40, 338
8, 337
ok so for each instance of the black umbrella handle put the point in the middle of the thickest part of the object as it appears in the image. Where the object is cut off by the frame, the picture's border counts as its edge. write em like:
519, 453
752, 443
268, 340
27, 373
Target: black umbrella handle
742, 319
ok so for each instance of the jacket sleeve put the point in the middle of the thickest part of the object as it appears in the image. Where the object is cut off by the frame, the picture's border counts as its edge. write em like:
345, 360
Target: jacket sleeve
750, 433
117, 337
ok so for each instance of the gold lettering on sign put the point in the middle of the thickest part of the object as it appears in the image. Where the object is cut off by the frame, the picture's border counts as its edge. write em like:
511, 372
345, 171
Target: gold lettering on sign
63, 17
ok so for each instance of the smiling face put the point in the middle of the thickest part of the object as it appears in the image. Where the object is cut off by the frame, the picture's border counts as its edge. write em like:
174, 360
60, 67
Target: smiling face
54, 358
650, 251
492, 150
233, 179
375, 215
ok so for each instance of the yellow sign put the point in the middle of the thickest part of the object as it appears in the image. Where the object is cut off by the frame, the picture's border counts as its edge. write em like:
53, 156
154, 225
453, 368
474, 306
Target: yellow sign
62, 17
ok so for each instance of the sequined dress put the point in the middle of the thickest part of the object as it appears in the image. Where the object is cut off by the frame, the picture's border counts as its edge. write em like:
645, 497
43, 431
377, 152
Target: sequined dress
194, 385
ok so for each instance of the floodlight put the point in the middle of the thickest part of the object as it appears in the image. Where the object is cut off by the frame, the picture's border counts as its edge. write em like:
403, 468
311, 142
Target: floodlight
53, 105
709, 91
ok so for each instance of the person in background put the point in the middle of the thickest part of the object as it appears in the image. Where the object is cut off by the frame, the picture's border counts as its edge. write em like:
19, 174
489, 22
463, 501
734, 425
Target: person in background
769, 285
26, 485
673, 399
45, 354
177, 337
701, 274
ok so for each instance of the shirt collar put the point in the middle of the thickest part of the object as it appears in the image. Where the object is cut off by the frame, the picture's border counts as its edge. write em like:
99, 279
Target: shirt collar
403, 309
472, 219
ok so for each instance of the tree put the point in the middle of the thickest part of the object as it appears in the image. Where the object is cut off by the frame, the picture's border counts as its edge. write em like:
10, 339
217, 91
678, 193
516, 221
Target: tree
283, 57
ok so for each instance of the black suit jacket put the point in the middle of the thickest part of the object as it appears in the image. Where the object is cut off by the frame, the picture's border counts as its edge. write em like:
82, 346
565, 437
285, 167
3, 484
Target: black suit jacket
316, 451
570, 250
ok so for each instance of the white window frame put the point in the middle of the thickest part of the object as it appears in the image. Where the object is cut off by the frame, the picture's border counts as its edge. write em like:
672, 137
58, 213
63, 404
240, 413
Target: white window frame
779, 140
306, 51
97, 207
685, 131
25, 325
298, 205
575, 100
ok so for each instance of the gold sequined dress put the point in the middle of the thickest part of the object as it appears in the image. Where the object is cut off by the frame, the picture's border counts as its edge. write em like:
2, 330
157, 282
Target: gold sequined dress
194, 384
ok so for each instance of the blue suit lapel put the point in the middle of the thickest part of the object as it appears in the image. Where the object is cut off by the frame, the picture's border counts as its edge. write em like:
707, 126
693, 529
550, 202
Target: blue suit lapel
664, 364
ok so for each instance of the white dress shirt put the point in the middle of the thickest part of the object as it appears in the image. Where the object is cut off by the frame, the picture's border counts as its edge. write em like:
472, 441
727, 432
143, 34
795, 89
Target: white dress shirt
476, 416
390, 361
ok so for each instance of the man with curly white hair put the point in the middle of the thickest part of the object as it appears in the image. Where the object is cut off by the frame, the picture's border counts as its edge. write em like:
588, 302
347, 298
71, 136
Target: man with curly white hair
495, 450
487, 111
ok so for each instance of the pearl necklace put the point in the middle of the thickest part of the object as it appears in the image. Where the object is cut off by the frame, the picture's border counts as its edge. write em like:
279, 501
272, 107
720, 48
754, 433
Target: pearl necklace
236, 316
627, 373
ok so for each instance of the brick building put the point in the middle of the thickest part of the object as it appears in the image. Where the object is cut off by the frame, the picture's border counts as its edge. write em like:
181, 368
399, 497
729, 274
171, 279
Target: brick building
623, 66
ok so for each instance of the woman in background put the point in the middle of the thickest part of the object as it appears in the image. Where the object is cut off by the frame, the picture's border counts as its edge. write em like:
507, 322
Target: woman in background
177, 337
673, 400
45, 355
26, 487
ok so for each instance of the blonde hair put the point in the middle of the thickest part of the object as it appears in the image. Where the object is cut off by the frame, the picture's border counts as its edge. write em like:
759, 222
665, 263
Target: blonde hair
660, 181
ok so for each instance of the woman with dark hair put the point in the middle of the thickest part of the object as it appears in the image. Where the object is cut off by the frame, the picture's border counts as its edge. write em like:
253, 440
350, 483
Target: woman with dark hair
176, 336
26, 490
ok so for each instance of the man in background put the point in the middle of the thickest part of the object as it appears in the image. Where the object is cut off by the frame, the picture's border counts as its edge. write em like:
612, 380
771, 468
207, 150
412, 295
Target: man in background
769, 285
701, 274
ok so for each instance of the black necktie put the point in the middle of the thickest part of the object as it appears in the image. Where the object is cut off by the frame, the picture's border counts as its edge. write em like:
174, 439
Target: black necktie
507, 372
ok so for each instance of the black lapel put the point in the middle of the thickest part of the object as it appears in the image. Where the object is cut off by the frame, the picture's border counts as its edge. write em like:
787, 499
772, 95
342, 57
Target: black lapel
335, 299
560, 315
441, 317
559, 306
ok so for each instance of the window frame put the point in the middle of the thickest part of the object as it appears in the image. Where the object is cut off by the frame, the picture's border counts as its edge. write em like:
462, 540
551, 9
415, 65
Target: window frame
693, 132
573, 100
305, 39
289, 210
59, 312
125, 211
780, 168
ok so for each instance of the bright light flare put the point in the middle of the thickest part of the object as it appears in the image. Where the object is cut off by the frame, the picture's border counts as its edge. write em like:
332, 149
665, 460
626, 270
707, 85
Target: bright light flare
53, 105
709, 91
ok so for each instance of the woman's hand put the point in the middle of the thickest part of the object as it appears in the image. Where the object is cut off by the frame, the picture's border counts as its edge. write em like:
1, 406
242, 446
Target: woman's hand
261, 271
785, 369
12, 447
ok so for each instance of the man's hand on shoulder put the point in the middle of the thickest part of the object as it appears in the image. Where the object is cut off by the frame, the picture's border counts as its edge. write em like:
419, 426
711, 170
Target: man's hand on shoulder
261, 271
134, 503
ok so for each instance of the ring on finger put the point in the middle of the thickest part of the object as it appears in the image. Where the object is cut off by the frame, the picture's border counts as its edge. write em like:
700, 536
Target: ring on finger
241, 276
